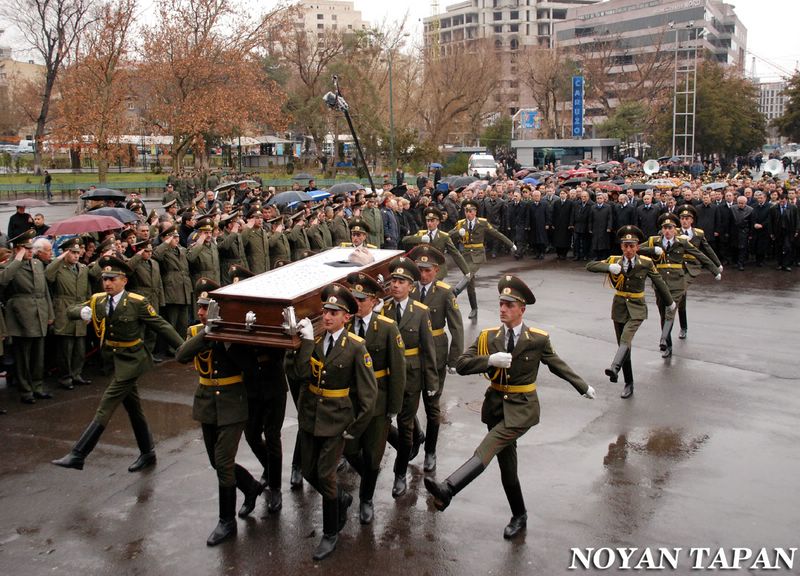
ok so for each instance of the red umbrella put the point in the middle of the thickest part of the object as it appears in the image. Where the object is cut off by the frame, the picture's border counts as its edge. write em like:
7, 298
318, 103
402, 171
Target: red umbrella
27, 202
84, 223
521, 174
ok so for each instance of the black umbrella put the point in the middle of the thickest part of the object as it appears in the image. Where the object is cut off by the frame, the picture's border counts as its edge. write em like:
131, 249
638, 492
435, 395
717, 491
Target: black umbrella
303, 176
639, 186
459, 181
103, 194
714, 186
122, 214
344, 188
288, 197
575, 181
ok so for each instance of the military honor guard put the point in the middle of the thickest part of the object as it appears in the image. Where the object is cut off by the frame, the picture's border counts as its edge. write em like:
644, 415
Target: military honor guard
627, 274
220, 405
473, 233
414, 322
438, 239
669, 252
509, 357
444, 312
385, 346
118, 318
359, 231
328, 367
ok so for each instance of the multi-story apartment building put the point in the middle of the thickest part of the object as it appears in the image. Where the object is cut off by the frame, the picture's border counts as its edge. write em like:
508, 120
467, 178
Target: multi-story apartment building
321, 16
772, 100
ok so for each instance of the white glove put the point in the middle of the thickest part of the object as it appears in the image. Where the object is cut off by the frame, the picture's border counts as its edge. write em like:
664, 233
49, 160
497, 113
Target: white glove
720, 268
390, 416
379, 306
86, 314
718, 277
659, 250
614, 268
590, 394
425, 239
380, 278
347, 436
514, 247
430, 393
672, 307
500, 360
462, 232
451, 370
209, 326
305, 329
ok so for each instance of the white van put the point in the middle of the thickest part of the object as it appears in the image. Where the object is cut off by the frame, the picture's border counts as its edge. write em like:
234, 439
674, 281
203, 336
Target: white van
482, 166
25, 147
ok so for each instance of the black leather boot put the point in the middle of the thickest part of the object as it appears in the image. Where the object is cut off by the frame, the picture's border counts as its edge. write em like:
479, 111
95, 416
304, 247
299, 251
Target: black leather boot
330, 534
296, 478
432, 437
147, 455
345, 500
226, 527
251, 489
443, 492
82, 448
275, 500
417, 440
519, 516
627, 392
393, 437
616, 363
366, 491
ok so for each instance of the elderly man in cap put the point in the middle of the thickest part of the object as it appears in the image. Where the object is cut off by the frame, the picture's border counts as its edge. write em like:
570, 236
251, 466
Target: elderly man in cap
443, 310
414, 322
509, 357
69, 285
329, 413
474, 232
176, 280
220, 405
385, 346
438, 239
118, 318
29, 312
627, 274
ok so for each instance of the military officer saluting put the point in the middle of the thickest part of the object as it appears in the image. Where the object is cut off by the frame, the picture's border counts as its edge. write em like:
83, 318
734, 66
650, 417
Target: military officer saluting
443, 310
669, 252
359, 231
509, 356
328, 368
472, 232
279, 247
414, 322
203, 255
220, 405
438, 239
627, 274
385, 346
119, 318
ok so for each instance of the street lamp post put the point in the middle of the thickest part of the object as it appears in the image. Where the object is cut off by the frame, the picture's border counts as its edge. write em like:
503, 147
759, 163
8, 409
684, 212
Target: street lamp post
391, 114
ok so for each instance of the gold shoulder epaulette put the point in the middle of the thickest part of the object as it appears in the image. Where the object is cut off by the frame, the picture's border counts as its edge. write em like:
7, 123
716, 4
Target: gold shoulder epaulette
698, 231
537, 331
482, 220
385, 319
421, 305
355, 337
494, 329
99, 294
193, 330
135, 296
614, 259
645, 259
461, 222
444, 285
372, 246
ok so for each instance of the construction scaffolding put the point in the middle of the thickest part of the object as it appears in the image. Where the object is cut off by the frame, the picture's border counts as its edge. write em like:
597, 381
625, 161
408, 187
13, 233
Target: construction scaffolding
684, 98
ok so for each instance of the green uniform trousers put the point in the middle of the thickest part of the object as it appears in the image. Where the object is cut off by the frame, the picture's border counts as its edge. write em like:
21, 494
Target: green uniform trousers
71, 355
319, 456
222, 443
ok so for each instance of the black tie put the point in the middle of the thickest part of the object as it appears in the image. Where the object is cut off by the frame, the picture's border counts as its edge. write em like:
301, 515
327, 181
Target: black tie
510, 347
361, 330
398, 313
423, 293
110, 306
330, 345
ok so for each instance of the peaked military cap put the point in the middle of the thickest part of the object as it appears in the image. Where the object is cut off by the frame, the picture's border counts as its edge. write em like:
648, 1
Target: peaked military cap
357, 224
469, 203
405, 268
239, 272
687, 210
362, 285
668, 218
433, 212
426, 256
144, 245
169, 231
512, 289
202, 288
205, 224
337, 297
71, 245
25, 239
111, 266
630, 233
170, 204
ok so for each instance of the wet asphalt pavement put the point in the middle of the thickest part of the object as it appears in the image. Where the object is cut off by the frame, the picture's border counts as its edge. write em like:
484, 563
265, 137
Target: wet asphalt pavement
705, 454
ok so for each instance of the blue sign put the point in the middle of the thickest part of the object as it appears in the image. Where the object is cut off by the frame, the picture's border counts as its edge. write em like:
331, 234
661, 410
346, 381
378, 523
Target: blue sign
529, 119
577, 106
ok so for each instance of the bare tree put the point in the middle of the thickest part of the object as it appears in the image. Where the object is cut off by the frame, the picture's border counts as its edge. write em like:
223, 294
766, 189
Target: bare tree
53, 27
546, 73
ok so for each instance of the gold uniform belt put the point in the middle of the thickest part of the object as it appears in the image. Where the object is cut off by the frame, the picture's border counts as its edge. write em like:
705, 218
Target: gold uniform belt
473, 245
518, 389
118, 344
630, 294
411, 351
221, 381
669, 265
328, 393
382, 373
438, 332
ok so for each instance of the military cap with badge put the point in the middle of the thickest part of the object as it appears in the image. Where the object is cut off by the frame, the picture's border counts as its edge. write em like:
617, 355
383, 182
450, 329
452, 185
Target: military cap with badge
337, 297
404, 268
426, 256
513, 289
364, 286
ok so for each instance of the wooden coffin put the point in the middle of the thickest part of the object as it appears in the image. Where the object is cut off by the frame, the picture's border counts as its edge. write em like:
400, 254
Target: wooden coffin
298, 284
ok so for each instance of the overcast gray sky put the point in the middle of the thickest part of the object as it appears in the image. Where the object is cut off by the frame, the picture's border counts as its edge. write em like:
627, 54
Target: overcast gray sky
771, 27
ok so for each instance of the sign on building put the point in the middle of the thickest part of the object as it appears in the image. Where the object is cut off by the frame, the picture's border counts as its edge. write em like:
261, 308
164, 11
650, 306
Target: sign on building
577, 106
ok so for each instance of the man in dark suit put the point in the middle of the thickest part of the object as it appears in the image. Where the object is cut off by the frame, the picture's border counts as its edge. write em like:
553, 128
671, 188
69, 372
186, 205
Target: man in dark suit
761, 239
582, 221
510, 357
647, 216
708, 218
563, 209
602, 221
783, 229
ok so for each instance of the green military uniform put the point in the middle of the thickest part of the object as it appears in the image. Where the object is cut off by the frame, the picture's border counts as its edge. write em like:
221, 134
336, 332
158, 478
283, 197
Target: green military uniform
146, 280
472, 234
204, 261
374, 220
340, 232
170, 196
693, 267
327, 237
316, 241
256, 247
176, 280
29, 311
442, 242
511, 405
298, 240
629, 308
279, 248
231, 252
69, 285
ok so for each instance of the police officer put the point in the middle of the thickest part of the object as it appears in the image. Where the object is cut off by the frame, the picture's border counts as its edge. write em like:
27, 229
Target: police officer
385, 346
509, 358
627, 274
414, 323
438, 239
328, 368
669, 251
444, 311
119, 318
473, 232
220, 405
